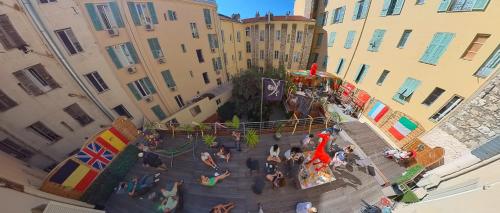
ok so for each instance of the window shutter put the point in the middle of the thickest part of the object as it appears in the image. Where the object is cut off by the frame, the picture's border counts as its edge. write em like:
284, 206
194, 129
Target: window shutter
441, 47
331, 39
398, 7
93, 16
489, 65
341, 14
208, 18
133, 13
158, 112
427, 57
134, 91
9, 36
357, 73
365, 7
40, 69
116, 14
378, 36
364, 72
27, 84
152, 12
149, 85
132, 52
356, 8
445, 4
169, 80
155, 47
114, 57
385, 8
480, 4
6, 102
339, 66
411, 87
349, 40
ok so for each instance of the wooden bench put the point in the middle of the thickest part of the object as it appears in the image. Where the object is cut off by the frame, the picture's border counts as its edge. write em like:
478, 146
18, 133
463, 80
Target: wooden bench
428, 157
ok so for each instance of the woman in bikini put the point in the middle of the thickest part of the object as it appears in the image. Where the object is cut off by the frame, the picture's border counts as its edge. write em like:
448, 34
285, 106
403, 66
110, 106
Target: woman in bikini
211, 181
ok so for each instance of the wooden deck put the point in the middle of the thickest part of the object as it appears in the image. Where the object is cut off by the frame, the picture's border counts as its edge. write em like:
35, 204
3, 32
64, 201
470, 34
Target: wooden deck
342, 195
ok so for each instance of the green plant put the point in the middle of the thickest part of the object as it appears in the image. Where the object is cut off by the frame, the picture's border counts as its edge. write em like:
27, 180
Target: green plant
252, 138
209, 140
202, 127
188, 128
279, 126
234, 123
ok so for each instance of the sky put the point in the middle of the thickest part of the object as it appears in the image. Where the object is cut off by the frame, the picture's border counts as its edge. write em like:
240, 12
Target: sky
248, 8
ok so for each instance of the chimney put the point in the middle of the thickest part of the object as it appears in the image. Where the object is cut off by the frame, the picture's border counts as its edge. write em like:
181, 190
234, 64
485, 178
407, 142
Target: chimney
236, 16
257, 15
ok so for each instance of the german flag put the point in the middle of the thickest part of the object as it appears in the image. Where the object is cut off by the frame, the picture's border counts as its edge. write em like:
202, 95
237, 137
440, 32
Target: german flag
74, 175
113, 140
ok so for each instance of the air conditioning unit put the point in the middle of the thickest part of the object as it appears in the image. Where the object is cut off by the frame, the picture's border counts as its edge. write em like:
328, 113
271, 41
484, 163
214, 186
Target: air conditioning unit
131, 70
209, 26
149, 27
148, 99
173, 89
113, 32
162, 60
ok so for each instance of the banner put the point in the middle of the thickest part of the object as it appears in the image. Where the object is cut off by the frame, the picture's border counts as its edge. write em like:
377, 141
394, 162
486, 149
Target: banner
273, 89
304, 104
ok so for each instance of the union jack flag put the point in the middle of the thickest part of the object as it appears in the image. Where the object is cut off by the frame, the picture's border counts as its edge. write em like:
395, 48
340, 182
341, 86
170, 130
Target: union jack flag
95, 155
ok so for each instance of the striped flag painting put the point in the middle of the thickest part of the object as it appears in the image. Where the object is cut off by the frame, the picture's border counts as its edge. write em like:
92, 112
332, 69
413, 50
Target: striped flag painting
74, 175
378, 111
113, 140
95, 155
402, 128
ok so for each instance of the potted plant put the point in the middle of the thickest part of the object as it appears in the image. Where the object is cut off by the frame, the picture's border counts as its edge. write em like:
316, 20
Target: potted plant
234, 123
202, 127
251, 138
189, 130
209, 140
279, 127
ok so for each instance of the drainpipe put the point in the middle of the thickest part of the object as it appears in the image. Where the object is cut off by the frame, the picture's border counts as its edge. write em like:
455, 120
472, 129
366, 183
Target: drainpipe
31, 11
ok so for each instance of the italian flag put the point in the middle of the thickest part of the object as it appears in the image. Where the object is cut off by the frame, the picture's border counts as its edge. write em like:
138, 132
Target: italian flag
402, 128
378, 111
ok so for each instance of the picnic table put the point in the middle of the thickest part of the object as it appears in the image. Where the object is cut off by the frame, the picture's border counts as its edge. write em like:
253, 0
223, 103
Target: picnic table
309, 177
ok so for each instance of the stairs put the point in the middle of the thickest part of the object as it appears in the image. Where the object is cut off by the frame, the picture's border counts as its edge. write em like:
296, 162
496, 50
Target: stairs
488, 150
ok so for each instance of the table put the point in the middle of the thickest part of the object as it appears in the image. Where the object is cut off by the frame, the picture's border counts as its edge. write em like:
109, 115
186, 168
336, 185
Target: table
314, 178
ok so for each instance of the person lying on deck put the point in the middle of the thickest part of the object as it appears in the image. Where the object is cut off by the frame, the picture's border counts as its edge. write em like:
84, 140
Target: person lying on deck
339, 159
207, 159
224, 153
138, 187
222, 208
150, 159
274, 153
171, 198
211, 181
277, 179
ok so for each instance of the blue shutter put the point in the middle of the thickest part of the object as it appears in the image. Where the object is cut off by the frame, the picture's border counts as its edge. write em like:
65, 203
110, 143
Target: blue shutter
349, 40
114, 57
364, 73
341, 14
134, 91
149, 85
93, 16
331, 39
116, 14
152, 12
402, 90
385, 8
490, 65
441, 47
158, 112
332, 17
132, 52
169, 80
444, 5
365, 7
431, 48
480, 4
411, 86
339, 66
133, 13
154, 45
376, 40
356, 9
398, 7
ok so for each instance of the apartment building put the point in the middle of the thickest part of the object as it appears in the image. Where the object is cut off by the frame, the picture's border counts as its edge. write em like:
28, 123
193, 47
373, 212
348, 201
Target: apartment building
421, 58
56, 88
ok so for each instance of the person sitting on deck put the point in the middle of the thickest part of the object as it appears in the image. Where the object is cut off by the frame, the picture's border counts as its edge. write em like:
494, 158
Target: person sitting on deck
224, 153
274, 153
211, 181
277, 179
138, 187
237, 138
222, 208
295, 153
171, 198
307, 140
305, 207
207, 159
340, 157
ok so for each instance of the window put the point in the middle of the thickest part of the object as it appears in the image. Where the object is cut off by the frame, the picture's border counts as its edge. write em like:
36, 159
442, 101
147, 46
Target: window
194, 30
382, 77
406, 90
392, 7
179, 101
217, 64
314, 58
67, 126
462, 5
349, 39
249, 63
123, 55
95, 79
433, 96
143, 13
247, 31
44, 131
169, 80
199, 54
35, 80
299, 36
183, 48
325, 2
437, 47
261, 35
278, 35
222, 35
338, 70
154, 45
105, 16
475, 45
225, 59
490, 65
158, 112
261, 69
195, 110
208, 18
212, 42
172, 15
262, 54
363, 69
218, 101
338, 15
319, 40
77, 113
122, 111
249, 47
331, 38
296, 57
288, 38
420, 2
219, 81
238, 36
325, 61
322, 19
8, 146
47, 1
205, 78
376, 40
6, 102
191, 73
141, 88
360, 9
286, 57
450, 105
8, 35
69, 40
276, 54
239, 55
404, 39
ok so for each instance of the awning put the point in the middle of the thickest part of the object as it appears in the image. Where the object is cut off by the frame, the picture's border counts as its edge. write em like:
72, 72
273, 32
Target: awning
348, 88
362, 98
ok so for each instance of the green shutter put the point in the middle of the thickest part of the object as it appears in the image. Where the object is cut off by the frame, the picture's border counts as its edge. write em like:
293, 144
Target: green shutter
132, 52
152, 12
133, 13
431, 48
158, 112
116, 14
480, 4
356, 9
331, 39
411, 87
349, 40
376, 40
385, 8
365, 7
398, 7
341, 14
362, 74
114, 57
441, 47
154, 45
444, 5
94, 17
169, 80
340, 65
149, 85
489, 65
401, 91
134, 91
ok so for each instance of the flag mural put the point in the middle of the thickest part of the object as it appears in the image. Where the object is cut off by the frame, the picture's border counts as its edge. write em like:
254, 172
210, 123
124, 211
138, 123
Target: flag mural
378, 111
402, 128
113, 140
74, 175
273, 89
95, 156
